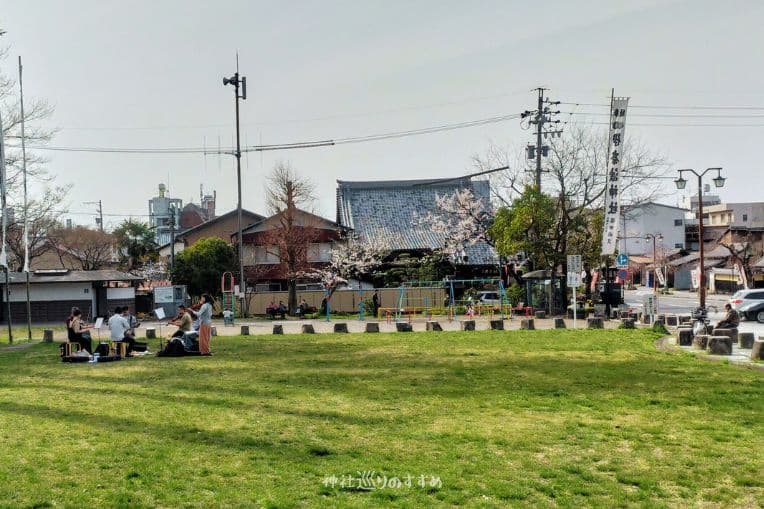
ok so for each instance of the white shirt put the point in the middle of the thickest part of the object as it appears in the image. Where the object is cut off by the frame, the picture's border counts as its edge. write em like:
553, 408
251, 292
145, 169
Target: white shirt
118, 325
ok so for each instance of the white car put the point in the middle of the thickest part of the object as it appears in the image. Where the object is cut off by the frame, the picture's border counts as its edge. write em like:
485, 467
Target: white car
490, 298
746, 298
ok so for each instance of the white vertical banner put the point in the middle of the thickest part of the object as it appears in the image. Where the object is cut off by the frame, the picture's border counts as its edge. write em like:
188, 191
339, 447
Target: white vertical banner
3, 253
614, 176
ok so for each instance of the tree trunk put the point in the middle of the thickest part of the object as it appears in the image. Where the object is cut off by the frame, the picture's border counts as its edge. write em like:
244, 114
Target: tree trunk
292, 301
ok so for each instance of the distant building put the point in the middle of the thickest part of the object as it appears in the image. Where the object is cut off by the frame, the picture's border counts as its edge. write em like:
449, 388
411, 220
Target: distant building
164, 215
655, 219
748, 214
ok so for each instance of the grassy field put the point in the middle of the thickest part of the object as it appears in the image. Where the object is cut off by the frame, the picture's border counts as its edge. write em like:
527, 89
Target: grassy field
487, 419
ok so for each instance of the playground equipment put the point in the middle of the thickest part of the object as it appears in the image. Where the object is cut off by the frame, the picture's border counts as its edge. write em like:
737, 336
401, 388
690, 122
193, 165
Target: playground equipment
414, 297
227, 282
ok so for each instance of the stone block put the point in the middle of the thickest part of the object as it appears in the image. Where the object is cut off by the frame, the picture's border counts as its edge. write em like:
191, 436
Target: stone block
684, 336
700, 341
214, 331
627, 323
372, 327
245, 330
672, 321
47, 335
731, 333
757, 350
433, 326
340, 327
559, 323
278, 329
497, 324
403, 327
151, 333
685, 319
468, 324
307, 328
745, 339
595, 323
540, 314
720, 345
527, 324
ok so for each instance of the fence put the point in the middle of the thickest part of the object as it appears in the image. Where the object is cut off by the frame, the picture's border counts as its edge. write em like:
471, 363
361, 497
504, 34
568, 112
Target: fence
347, 301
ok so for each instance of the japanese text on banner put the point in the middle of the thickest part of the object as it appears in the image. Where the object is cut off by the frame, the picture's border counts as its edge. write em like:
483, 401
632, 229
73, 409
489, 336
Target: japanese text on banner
614, 176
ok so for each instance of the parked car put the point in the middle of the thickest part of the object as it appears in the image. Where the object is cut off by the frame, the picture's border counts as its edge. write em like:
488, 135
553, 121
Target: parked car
743, 299
753, 310
490, 298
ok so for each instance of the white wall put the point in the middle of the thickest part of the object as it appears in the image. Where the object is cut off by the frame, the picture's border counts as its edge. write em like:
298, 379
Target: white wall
654, 219
120, 293
53, 291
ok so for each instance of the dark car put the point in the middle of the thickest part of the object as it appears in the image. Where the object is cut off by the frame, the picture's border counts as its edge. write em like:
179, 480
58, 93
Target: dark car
752, 311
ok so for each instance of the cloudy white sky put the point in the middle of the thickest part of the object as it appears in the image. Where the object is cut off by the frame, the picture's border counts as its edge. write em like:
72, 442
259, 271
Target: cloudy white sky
149, 74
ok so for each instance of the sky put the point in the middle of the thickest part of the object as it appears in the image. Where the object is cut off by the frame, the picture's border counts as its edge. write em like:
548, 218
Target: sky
148, 74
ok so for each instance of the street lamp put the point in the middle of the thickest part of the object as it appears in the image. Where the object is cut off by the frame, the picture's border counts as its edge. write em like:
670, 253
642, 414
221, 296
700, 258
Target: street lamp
659, 237
680, 184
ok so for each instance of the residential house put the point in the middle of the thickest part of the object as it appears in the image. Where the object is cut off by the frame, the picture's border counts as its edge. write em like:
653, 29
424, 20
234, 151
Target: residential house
222, 227
265, 265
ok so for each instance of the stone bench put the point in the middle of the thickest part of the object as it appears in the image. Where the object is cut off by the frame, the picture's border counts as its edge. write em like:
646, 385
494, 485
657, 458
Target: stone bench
372, 327
731, 333
595, 323
213, 331
720, 345
403, 327
307, 328
340, 327
757, 350
151, 333
627, 323
497, 324
684, 336
245, 330
559, 323
527, 324
468, 324
47, 336
672, 321
700, 341
540, 314
432, 325
278, 329
745, 339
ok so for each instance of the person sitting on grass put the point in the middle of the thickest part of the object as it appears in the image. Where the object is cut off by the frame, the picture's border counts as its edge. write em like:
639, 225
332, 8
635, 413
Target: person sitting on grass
731, 318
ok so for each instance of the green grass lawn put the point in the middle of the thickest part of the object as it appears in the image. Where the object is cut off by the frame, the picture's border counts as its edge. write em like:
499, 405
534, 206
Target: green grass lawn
501, 419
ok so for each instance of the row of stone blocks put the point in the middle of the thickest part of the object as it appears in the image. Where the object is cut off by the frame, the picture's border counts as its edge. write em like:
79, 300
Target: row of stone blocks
720, 341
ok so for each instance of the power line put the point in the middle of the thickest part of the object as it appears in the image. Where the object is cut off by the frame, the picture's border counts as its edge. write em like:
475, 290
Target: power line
667, 107
290, 146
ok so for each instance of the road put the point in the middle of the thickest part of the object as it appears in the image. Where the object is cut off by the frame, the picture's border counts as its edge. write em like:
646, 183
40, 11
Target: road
685, 302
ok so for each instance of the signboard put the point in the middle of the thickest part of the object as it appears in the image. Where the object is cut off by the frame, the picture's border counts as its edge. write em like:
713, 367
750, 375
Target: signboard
623, 274
650, 304
574, 270
695, 276
163, 295
613, 177
660, 277
160, 313
622, 261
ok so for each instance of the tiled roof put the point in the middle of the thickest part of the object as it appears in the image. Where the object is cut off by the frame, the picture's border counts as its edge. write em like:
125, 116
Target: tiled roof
72, 276
389, 211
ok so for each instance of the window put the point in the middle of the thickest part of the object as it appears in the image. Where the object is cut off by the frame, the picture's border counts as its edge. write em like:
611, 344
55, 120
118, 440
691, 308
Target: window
319, 252
267, 255
745, 217
678, 245
677, 222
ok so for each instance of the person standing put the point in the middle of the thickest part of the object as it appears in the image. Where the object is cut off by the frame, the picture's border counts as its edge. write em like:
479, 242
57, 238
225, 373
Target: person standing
375, 303
205, 325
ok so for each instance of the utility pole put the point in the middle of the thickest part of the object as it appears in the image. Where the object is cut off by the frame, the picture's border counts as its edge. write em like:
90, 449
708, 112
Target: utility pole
100, 212
539, 117
172, 236
239, 82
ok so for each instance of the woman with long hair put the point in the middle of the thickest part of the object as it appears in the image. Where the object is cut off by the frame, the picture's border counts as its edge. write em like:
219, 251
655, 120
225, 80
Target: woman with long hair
205, 324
